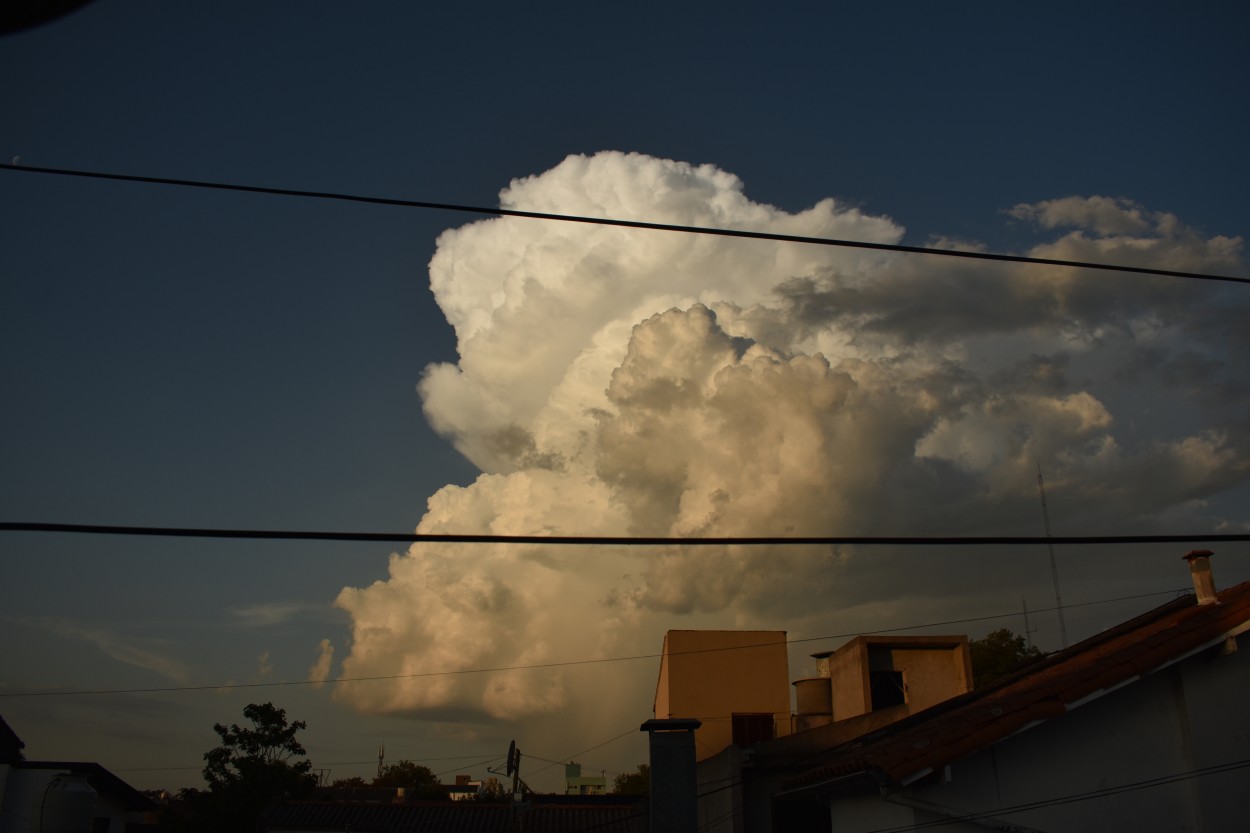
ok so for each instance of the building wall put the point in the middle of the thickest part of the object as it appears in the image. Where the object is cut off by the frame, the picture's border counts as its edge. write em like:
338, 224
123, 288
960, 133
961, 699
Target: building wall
934, 668
711, 675
1176, 721
848, 674
932, 675
720, 794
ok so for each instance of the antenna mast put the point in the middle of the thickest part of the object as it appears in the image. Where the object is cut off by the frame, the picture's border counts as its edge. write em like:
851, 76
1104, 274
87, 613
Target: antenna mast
1028, 632
1054, 570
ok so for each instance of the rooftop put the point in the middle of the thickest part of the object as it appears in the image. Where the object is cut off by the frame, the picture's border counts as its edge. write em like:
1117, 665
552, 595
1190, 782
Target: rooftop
928, 740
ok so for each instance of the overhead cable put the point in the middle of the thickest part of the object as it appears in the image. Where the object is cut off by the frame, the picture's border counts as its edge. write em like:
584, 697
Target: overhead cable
618, 540
606, 221
559, 664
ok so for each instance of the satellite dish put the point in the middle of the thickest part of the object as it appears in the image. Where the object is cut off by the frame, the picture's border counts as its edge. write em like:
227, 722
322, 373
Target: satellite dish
512, 758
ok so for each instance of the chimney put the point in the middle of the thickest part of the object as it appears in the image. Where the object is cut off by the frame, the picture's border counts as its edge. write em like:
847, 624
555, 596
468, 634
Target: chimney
674, 782
1200, 571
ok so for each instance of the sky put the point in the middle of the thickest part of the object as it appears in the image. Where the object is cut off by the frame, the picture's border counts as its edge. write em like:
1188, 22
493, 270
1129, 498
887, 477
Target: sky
179, 357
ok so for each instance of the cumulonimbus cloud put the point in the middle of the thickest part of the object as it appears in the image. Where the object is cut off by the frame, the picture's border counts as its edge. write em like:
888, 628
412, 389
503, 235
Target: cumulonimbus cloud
616, 381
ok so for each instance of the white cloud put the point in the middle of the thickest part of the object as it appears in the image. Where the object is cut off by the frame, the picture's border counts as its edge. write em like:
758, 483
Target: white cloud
268, 614
543, 311
616, 381
320, 670
1104, 215
140, 652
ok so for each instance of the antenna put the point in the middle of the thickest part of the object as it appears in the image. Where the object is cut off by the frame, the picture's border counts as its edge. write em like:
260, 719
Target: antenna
514, 769
1028, 632
1054, 570
381, 757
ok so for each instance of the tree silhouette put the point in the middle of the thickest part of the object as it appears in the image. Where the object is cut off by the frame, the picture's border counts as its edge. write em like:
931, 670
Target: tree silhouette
417, 781
633, 783
353, 783
998, 655
251, 766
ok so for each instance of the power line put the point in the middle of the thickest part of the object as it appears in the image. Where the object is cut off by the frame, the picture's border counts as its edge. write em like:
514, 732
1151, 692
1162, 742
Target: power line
615, 540
537, 666
604, 221
469, 766
575, 755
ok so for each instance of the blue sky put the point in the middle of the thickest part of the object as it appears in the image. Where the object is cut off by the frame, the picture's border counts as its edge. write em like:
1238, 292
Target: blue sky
176, 357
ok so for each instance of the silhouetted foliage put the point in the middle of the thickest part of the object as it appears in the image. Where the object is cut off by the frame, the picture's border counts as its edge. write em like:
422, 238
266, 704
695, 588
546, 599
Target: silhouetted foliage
999, 654
251, 766
633, 783
418, 782
353, 783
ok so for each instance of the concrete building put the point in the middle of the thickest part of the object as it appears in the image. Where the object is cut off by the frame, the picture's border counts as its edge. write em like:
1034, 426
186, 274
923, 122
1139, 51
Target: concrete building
872, 673
736, 682
577, 784
868, 683
1140, 727
466, 788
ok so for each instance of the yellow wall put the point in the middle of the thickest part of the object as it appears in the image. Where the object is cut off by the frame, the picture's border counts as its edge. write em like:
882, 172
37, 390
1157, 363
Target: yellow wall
711, 675
935, 668
848, 672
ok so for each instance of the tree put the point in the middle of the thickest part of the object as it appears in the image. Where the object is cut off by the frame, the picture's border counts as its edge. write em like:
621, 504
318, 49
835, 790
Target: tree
633, 783
998, 655
353, 783
251, 766
417, 781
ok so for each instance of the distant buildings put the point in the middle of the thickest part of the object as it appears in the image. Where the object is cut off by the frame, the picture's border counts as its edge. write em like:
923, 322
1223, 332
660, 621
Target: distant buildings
466, 788
577, 784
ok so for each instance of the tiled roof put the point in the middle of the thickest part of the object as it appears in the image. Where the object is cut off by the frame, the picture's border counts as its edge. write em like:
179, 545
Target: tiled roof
454, 817
960, 726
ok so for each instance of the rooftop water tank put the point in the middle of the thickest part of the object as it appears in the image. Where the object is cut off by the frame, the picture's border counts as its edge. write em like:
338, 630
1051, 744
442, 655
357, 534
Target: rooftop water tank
65, 805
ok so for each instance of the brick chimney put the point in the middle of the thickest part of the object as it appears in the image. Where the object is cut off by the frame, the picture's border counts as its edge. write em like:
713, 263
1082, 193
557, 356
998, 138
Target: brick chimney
1200, 571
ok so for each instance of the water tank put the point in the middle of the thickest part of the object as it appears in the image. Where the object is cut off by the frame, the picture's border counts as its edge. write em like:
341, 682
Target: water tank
65, 805
814, 700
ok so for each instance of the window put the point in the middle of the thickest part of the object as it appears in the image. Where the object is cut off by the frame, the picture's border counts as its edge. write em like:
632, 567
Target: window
888, 689
750, 729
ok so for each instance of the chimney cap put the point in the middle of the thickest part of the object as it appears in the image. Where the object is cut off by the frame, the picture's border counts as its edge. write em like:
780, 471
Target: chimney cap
671, 724
1192, 554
